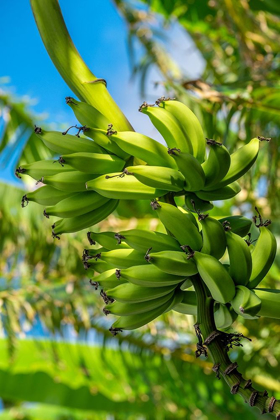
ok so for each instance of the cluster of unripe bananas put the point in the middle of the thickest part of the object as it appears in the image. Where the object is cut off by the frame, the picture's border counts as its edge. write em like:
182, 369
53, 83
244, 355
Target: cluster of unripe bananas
143, 274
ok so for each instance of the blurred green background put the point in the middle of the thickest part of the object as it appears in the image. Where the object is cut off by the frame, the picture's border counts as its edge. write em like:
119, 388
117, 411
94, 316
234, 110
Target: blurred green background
57, 358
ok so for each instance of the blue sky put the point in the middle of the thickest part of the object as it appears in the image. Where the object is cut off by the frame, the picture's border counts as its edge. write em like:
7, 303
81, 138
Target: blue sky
99, 33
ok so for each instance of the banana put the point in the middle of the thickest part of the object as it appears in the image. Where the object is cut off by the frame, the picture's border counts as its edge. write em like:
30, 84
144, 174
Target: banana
123, 258
87, 115
168, 127
224, 316
46, 196
176, 300
65, 143
223, 193
190, 168
179, 224
122, 187
144, 148
270, 299
130, 293
141, 240
93, 163
107, 280
215, 276
148, 276
186, 285
189, 125
125, 309
42, 168
217, 164
132, 322
188, 304
107, 240
263, 256
202, 205
74, 224
239, 257
76, 205
240, 162
158, 177
103, 139
246, 303
213, 235
73, 181
239, 225
96, 266
172, 262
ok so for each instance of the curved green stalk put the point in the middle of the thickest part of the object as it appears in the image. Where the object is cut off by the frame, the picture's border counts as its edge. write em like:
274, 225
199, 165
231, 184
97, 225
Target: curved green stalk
219, 354
70, 64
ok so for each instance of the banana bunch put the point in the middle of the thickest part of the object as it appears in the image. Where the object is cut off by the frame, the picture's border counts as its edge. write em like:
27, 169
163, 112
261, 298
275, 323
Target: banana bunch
101, 165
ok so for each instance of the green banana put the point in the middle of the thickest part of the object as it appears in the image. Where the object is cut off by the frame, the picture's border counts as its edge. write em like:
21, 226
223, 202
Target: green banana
107, 280
148, 276
187, 284
189, 125
93, 163
123, 258
74, 224
46, 196
215, 276
179, 224
76, 205
213, 235
240, 162
123, 187
263, 256
202, 205
223, 193
176, 300
96, 266
168, 127
144, 148
141, 240
132, 322
73, 181
246, 303
103, 139
42, 168
224, 316
131, 293
127, 308
240, 258
190, 168
87, 115
239, 225
107, 240
65, 143
172, 262
188, 304
270, 299
217, 164
158, 177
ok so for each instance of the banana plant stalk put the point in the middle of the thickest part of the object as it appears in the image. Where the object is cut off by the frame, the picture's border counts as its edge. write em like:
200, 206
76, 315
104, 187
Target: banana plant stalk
218, 348
70, 64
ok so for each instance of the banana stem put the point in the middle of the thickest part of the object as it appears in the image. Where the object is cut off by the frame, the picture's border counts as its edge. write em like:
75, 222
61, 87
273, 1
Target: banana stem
70, 64
219, 355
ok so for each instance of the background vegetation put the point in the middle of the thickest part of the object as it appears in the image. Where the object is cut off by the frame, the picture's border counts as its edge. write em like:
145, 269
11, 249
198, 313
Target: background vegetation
58, 360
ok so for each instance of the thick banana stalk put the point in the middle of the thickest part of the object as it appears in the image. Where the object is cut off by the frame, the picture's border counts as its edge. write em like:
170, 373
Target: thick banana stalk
70, 65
